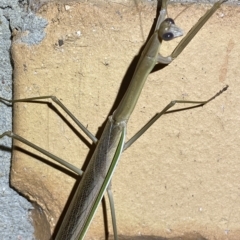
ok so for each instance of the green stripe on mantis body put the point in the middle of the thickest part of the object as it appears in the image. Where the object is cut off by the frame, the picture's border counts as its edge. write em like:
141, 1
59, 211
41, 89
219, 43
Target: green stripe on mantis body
107, 179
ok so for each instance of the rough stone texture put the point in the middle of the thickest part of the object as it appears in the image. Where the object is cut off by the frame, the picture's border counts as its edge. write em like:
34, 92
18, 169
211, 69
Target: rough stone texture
15, 220
182, 176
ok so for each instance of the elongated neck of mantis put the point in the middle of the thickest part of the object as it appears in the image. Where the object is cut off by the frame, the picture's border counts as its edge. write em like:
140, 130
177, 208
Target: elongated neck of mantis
144, 67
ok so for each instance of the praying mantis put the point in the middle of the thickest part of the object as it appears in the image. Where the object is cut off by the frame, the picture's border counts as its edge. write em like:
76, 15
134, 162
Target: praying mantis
112, 142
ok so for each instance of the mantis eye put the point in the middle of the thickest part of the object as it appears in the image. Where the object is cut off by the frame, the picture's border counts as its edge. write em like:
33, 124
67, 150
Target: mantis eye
167, 36
168, 30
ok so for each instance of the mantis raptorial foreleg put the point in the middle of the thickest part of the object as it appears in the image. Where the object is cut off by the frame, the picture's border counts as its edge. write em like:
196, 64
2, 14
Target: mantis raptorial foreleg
98, 174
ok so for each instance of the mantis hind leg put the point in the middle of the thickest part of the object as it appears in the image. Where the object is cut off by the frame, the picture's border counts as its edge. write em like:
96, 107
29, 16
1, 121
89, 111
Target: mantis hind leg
73, 168
111, 202
52, 156
25, 141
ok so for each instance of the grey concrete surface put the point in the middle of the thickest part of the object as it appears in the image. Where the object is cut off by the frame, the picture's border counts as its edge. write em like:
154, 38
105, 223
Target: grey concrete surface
14, 209
14, 218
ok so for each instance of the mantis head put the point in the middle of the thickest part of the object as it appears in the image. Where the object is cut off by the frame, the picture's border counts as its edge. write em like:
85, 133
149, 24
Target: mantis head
168, 30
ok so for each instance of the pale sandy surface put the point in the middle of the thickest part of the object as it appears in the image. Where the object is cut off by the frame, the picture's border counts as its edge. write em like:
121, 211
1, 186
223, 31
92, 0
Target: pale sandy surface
25, 228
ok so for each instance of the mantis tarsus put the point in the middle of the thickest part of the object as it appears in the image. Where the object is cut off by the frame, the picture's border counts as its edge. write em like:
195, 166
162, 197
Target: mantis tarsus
98, 174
